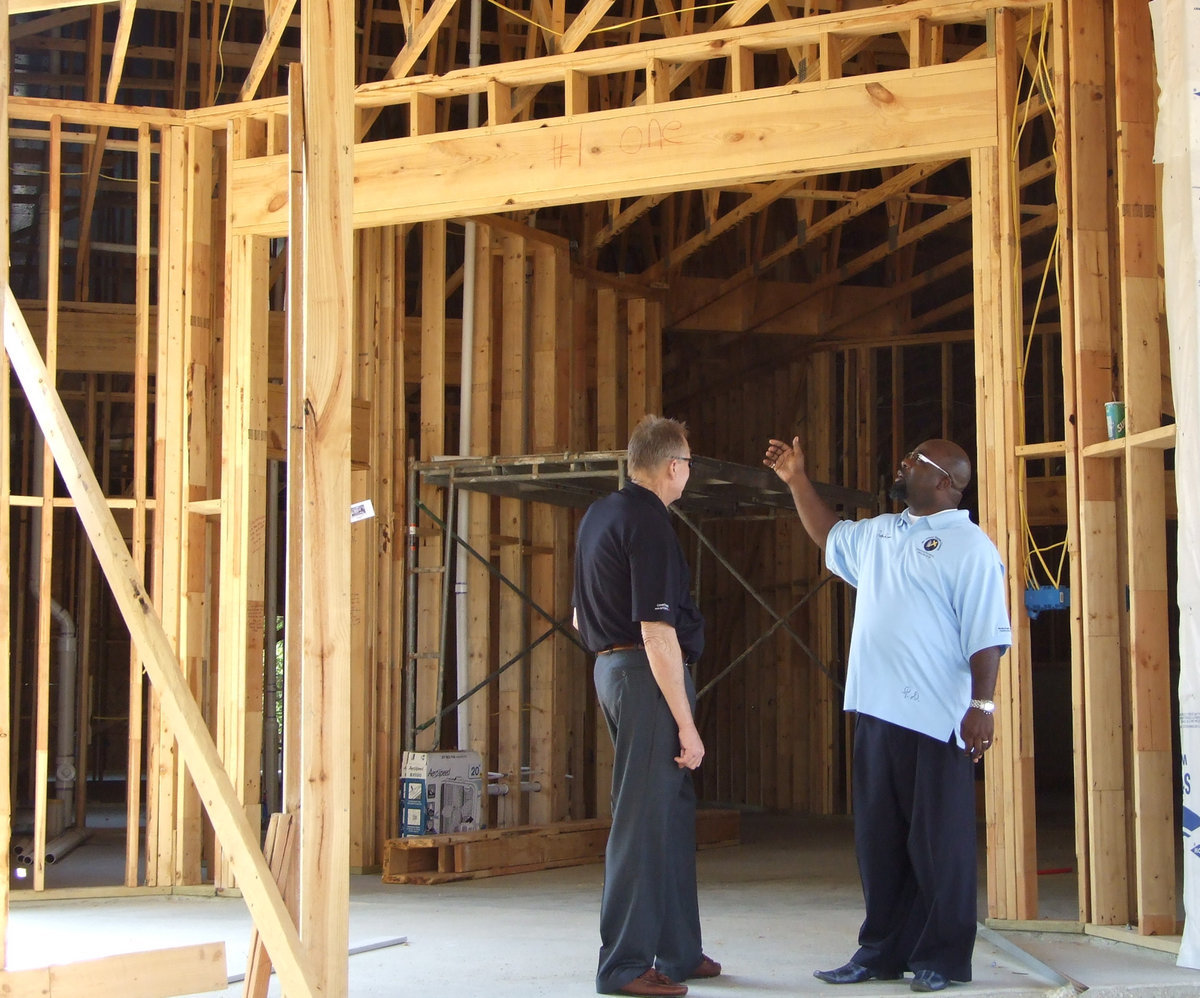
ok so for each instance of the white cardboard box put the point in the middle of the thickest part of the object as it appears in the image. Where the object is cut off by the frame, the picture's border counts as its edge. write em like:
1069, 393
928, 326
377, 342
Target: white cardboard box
440, 792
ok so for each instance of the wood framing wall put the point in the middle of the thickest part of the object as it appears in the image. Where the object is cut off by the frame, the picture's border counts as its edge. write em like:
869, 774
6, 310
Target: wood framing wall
452, 321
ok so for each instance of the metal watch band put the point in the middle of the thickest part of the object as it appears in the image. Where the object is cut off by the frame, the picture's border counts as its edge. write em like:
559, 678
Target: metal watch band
987, 706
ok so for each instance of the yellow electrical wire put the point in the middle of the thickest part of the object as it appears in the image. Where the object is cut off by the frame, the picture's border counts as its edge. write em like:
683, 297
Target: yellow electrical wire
1039, 80
221, 53
78, 173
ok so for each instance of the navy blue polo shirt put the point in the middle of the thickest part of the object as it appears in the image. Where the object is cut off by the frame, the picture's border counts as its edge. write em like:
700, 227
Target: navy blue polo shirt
629, 567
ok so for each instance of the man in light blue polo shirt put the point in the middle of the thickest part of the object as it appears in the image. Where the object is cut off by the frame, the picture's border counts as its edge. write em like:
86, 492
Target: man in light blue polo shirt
930, 625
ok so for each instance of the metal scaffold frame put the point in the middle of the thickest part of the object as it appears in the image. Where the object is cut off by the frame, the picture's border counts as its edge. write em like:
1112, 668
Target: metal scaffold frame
716, 490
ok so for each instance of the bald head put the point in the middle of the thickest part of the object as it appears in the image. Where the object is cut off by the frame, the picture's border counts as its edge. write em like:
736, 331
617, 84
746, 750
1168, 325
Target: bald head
952, 459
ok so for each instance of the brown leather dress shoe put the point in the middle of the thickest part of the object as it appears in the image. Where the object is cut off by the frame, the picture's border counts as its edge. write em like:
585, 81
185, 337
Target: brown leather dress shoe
707, 967
653, 984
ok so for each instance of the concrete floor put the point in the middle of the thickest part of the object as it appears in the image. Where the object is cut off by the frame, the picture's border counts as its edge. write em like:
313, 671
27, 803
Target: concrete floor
782, 904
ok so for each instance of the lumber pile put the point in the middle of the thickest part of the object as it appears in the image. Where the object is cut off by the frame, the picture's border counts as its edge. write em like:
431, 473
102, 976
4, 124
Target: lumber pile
440, 859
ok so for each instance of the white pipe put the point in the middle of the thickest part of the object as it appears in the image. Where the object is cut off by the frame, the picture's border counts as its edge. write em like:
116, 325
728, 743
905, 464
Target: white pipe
64, 768
466, 392
72, 838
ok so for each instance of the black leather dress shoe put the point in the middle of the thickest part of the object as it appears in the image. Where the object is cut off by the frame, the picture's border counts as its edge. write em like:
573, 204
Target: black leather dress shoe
854, 973
928, 980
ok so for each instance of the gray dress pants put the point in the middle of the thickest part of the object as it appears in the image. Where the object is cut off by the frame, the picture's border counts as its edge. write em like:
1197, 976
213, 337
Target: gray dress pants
649, 914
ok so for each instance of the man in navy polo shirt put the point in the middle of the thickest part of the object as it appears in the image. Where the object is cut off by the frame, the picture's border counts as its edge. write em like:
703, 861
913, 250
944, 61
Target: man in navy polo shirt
930, 625
634, 610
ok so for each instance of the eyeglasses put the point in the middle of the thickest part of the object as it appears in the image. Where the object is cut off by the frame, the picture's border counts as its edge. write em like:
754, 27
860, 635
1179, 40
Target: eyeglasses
688, 459
918, 456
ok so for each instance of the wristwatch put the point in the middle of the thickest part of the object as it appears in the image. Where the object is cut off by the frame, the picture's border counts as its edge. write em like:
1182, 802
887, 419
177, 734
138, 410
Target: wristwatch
987, 706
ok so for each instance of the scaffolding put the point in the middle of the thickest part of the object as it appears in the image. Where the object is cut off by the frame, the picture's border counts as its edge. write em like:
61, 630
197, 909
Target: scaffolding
715, 490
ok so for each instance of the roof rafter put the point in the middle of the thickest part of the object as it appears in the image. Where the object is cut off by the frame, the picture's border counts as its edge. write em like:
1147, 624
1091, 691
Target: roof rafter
277, 20
956, 213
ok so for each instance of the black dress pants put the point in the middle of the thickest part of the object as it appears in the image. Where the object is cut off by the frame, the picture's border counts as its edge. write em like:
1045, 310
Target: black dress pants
649, 914
914, 832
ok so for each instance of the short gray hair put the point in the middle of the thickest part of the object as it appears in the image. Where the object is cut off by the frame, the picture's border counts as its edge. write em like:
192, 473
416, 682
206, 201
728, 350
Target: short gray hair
654, 441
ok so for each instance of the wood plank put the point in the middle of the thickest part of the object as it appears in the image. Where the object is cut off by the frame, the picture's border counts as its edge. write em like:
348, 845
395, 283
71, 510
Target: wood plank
1011, 852
430, 667
549, 716
243, 522
279, 847
327, 53
42, 554
1144, 480
141, 387
172, 810
280, 16
116, 65
479, 526
1060, 40
435, 859
611, 422
513, 619
155, 974
929, 114
1098, 694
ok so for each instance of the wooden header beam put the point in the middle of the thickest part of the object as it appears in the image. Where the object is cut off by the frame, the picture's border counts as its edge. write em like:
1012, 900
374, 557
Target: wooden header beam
847, 124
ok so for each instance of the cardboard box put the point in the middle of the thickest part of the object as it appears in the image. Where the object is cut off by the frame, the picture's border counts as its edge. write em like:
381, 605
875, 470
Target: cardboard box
440, 792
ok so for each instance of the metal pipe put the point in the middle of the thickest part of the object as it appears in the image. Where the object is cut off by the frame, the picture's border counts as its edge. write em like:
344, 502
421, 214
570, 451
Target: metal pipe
64, 761
409, 725
465, 408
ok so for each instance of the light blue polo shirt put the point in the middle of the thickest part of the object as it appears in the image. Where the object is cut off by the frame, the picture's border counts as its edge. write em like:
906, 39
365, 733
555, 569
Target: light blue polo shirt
930, 594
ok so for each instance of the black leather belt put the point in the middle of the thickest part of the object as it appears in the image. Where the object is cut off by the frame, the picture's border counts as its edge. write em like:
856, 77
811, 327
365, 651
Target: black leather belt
612, 648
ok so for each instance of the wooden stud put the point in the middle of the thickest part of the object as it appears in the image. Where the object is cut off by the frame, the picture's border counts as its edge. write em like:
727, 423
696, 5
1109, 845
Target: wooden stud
400, 454
243, 520
327, 52
141, 427
1098, 698
549, 714
479, 528
513, 731
430, 667
1145, 502
611, 422
45, 530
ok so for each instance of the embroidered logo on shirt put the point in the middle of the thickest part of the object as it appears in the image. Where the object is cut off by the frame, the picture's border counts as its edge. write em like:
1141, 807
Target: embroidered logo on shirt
662, 606
932, 544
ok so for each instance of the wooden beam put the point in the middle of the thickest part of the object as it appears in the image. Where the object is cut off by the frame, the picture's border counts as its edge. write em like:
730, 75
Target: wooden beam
1099, 700
1144, 482
847, 124
1012, 847
184, 717
141, 434
116, 66
35, 6
513, 619
279, 18
241, 562
430, 665
327, 39
154, 974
